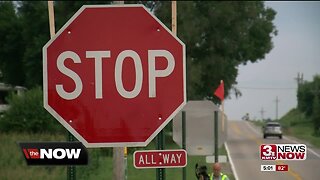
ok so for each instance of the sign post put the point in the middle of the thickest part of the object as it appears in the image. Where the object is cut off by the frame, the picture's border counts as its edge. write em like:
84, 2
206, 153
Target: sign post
184, 170
160, 172
216, 138
71, 170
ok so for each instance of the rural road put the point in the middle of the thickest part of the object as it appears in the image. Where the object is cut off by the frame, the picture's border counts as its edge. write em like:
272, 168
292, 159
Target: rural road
243, 144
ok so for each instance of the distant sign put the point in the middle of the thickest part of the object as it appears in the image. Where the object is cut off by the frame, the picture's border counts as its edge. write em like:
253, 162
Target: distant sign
160, 159
199, 128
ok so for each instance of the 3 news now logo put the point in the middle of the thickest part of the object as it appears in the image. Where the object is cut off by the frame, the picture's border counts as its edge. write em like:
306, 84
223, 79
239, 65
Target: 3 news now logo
283, 151
54, 153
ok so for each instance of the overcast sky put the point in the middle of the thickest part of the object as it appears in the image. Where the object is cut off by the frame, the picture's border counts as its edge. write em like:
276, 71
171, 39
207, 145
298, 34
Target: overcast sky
296, 49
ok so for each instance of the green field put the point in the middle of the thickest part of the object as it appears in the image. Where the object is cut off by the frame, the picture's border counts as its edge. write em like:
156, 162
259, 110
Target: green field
296, 124
13, 165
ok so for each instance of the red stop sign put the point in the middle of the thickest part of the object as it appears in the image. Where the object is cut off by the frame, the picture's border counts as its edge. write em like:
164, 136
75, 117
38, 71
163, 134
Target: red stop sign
114, 76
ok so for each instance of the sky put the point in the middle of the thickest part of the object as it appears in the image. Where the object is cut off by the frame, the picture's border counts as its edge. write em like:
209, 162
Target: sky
296, 50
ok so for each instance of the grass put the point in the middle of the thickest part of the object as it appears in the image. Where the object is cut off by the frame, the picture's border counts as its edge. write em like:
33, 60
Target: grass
258, 123
13, 165
12, 162
297, 125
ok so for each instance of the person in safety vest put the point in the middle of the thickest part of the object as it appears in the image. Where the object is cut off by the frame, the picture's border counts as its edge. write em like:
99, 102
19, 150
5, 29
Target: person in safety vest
217, 174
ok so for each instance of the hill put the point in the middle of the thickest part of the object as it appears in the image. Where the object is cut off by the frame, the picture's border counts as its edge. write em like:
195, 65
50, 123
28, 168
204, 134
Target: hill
296, 124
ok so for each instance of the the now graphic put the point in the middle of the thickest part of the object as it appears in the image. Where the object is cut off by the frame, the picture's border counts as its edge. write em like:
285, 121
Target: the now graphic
54, 153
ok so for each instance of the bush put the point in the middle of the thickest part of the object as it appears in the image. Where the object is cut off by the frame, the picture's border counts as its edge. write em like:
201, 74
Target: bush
26, 113
83, 172
316, 116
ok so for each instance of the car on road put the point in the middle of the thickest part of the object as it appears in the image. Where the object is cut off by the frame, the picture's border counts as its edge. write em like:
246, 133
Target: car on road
272, 129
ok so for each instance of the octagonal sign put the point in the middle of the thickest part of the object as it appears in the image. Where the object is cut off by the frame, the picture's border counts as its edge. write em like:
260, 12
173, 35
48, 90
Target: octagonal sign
114, 76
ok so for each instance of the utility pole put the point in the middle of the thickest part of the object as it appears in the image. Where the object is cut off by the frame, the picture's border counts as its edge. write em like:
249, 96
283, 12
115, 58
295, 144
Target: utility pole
299, 79
262, 112
277, 101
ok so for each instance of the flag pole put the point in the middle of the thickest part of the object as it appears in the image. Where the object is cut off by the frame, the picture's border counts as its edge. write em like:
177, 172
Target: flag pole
222, 109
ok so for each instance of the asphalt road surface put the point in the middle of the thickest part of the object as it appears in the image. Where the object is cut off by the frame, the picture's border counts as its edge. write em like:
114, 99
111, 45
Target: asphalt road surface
243, 144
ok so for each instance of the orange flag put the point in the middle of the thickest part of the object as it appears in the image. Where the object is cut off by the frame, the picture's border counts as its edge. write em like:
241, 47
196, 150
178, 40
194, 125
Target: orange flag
220, 91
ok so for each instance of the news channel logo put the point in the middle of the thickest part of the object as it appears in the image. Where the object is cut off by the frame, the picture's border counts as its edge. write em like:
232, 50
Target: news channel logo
283, 152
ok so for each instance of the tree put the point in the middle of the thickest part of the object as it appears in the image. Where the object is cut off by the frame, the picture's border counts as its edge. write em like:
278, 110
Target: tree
219, 36
316, 115
305, 98
24, 30
306, 95
11, 46
26, 113
33, 16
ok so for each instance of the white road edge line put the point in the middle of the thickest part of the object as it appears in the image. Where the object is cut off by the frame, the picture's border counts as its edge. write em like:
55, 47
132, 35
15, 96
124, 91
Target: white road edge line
231, 162
309, 149
294, 141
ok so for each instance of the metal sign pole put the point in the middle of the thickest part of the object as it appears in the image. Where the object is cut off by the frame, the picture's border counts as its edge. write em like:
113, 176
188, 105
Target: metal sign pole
125, 163
160, 172
184, 170
216, 153
71, 170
